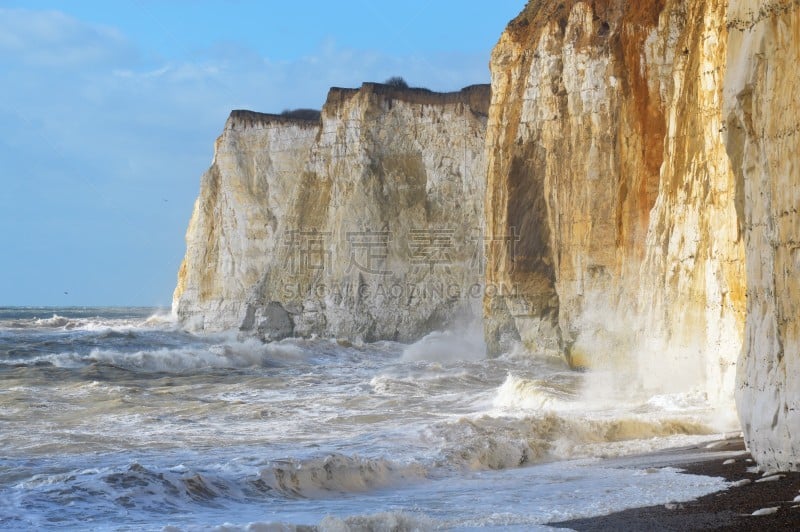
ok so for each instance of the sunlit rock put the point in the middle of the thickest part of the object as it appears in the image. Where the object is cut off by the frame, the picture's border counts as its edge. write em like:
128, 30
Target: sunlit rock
364, 224
606, 160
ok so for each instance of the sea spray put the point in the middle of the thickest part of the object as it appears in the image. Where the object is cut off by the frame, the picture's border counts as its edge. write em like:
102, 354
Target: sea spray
463, 343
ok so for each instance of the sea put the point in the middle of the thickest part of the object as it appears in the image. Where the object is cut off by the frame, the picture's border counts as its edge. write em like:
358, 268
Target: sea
117, 419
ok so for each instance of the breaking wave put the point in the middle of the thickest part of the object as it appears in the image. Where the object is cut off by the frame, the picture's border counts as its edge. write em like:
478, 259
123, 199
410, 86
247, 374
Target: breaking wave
538, 420
226, 356
158, 320
489, 442
143, 487
180, 360
336, 474
109, 491
536, 394
191, 358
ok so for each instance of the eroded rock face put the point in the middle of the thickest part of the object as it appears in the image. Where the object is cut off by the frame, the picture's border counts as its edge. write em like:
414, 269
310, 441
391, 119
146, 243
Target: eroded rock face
238, 219
763, 140
366, 224
606, 160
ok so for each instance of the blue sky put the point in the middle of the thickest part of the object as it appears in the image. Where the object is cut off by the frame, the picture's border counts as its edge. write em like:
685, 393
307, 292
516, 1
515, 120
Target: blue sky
109, 111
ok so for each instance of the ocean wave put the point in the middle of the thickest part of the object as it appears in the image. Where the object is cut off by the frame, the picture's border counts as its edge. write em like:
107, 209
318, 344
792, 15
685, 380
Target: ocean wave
141, 484
140, 487
94, 323
385, 385
181, 360
533, 420
489, 442
55, 321
678, 402
250, 353
335, 474
109, 492
517, 394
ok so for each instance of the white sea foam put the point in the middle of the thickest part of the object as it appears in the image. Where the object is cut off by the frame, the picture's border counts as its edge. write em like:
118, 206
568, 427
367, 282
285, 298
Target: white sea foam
162, 319
257, 526
380, 522
679, 402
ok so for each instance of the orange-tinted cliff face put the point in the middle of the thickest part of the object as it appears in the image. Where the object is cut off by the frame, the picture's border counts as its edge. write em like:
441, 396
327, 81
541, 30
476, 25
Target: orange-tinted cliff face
605, 157
638, 205
563, 75
617, 31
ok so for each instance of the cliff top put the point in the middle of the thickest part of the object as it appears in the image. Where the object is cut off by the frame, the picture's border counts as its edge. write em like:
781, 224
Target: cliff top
536, 14
245, 118
476, 96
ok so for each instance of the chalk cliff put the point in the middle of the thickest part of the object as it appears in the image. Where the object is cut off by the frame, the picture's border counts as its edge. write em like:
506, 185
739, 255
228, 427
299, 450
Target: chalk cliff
364, 224
238, 218
606, 162
641, 157
763, 141
632, 194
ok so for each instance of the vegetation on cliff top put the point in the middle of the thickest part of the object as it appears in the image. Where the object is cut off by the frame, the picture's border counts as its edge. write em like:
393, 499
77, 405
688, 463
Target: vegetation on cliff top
301, 114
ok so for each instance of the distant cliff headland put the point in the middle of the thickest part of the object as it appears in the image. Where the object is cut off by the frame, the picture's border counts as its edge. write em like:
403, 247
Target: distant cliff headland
365, 223
626, 195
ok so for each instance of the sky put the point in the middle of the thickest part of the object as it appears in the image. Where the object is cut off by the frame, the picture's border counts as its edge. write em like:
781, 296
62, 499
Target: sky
109, 112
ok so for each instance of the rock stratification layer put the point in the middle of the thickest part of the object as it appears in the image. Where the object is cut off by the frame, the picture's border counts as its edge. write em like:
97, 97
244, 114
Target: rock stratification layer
606, 163
366, 224
763, 140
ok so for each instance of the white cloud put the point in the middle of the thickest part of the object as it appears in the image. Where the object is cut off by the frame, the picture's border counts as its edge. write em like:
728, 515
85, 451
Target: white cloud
56, 40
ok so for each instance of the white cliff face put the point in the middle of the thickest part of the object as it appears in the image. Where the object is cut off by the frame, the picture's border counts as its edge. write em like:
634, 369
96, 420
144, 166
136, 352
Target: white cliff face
365, 225
238, 219
606, 155
763, 140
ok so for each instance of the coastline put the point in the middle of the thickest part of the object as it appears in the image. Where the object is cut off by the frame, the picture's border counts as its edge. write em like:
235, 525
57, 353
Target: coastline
730, 509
